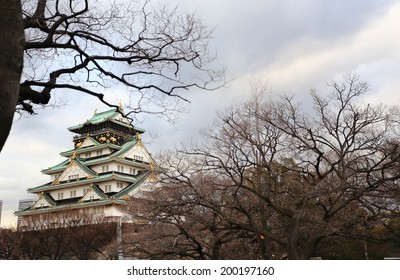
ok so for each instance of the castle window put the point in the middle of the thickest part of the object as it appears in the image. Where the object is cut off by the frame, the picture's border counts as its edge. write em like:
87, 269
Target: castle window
85, 191
60, 195
73, 177
138, 158
88, 155
132, 171
99, 152
107, 188
104, 168
120, 168
73, 194
120, 185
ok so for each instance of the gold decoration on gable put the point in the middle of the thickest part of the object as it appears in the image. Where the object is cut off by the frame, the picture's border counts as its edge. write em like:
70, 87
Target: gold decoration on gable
151, 166
152, 178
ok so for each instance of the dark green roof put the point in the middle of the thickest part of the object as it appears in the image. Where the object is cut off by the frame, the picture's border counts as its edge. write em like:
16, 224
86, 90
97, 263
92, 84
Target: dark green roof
132, 186
49, 199
101, 117
89, 149
97, 118
99, 178
105, 201
63, 165
116, 198
56, 168
125, 147
98, 191
88, 170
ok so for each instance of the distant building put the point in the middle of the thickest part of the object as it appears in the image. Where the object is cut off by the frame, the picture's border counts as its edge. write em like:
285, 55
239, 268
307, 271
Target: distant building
24, 204
107, 165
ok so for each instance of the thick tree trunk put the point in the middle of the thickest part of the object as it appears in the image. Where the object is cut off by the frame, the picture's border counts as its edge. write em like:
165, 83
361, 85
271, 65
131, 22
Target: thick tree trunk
12, 40
292, 240
311, 245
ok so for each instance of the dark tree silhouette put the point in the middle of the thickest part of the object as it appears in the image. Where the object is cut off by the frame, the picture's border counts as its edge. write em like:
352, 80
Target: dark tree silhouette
11, 60
151, 52
293, 179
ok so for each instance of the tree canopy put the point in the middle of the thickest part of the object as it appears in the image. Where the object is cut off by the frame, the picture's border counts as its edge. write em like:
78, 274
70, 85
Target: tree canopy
284, 182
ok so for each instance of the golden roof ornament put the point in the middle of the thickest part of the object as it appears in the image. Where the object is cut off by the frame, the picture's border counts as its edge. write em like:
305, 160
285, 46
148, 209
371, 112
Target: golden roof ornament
152, 178
151, 166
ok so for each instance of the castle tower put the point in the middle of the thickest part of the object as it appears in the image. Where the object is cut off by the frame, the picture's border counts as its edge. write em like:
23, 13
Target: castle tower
107, 165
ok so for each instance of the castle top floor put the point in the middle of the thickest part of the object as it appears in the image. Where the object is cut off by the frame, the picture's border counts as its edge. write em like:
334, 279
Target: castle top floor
111, 121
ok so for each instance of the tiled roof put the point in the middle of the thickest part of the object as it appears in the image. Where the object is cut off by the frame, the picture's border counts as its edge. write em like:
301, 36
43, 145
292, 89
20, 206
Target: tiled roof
132, 186
71, 206
103, 117
97, 118
56, 168
49, 199
79, 203
84, 167
63, 165
99, 178
89, 149
126, 146
98, 191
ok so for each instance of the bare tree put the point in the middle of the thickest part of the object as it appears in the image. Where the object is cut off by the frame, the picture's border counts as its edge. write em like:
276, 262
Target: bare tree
150, 52
72, 234
89, 234
183, 219
9, 244
45, 237
293, 179
346, 154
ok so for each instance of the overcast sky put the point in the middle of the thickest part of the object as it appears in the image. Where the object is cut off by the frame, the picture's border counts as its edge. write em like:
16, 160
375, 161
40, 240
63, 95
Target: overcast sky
293, 45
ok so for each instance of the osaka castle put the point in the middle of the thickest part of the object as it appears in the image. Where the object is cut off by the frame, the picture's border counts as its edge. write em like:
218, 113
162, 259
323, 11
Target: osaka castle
107, 166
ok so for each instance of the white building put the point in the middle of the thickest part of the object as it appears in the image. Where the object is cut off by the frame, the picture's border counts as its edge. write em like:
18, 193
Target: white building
107, 165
